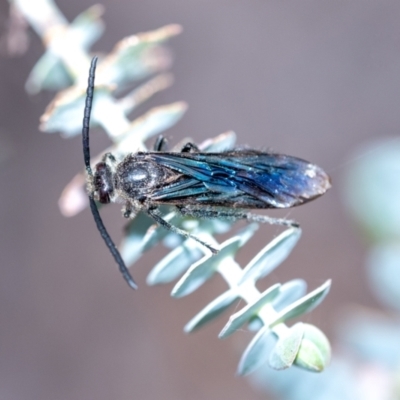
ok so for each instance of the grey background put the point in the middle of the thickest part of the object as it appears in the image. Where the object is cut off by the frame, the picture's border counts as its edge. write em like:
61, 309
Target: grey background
313, 79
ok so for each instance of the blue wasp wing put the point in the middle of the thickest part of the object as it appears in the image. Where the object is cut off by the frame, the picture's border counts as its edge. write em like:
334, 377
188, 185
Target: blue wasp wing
241, 178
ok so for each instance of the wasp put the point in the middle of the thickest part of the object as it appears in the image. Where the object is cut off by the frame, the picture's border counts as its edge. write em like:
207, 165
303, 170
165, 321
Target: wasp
222, 185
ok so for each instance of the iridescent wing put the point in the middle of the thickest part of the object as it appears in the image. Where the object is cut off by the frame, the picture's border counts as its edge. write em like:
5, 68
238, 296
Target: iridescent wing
242, 178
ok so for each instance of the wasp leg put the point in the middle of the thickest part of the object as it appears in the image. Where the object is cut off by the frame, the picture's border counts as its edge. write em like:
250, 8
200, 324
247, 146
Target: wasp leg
162, 222
264, 219
128, 210
190, 148
160, 144
235, 215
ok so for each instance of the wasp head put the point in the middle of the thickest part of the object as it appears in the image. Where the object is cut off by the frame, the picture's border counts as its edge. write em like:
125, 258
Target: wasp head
103, 183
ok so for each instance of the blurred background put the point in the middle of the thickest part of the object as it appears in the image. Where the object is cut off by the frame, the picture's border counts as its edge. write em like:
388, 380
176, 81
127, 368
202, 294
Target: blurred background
315, 79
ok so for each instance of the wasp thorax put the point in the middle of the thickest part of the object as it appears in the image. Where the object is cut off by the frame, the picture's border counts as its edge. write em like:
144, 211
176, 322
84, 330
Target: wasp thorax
103, 183
136, 178
137, 175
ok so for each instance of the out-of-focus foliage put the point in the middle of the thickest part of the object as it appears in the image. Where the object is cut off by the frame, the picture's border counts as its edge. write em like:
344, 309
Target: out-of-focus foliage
372, 190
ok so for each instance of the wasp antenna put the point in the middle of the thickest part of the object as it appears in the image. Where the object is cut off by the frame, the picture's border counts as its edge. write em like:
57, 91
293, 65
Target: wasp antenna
110, 244
86, 115
86, 155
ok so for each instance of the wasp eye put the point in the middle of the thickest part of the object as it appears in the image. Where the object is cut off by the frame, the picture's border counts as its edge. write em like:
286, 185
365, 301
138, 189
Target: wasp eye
103, 183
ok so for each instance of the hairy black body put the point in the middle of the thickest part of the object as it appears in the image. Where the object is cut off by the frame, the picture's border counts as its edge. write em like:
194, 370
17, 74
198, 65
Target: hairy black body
205, 185
234, 179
